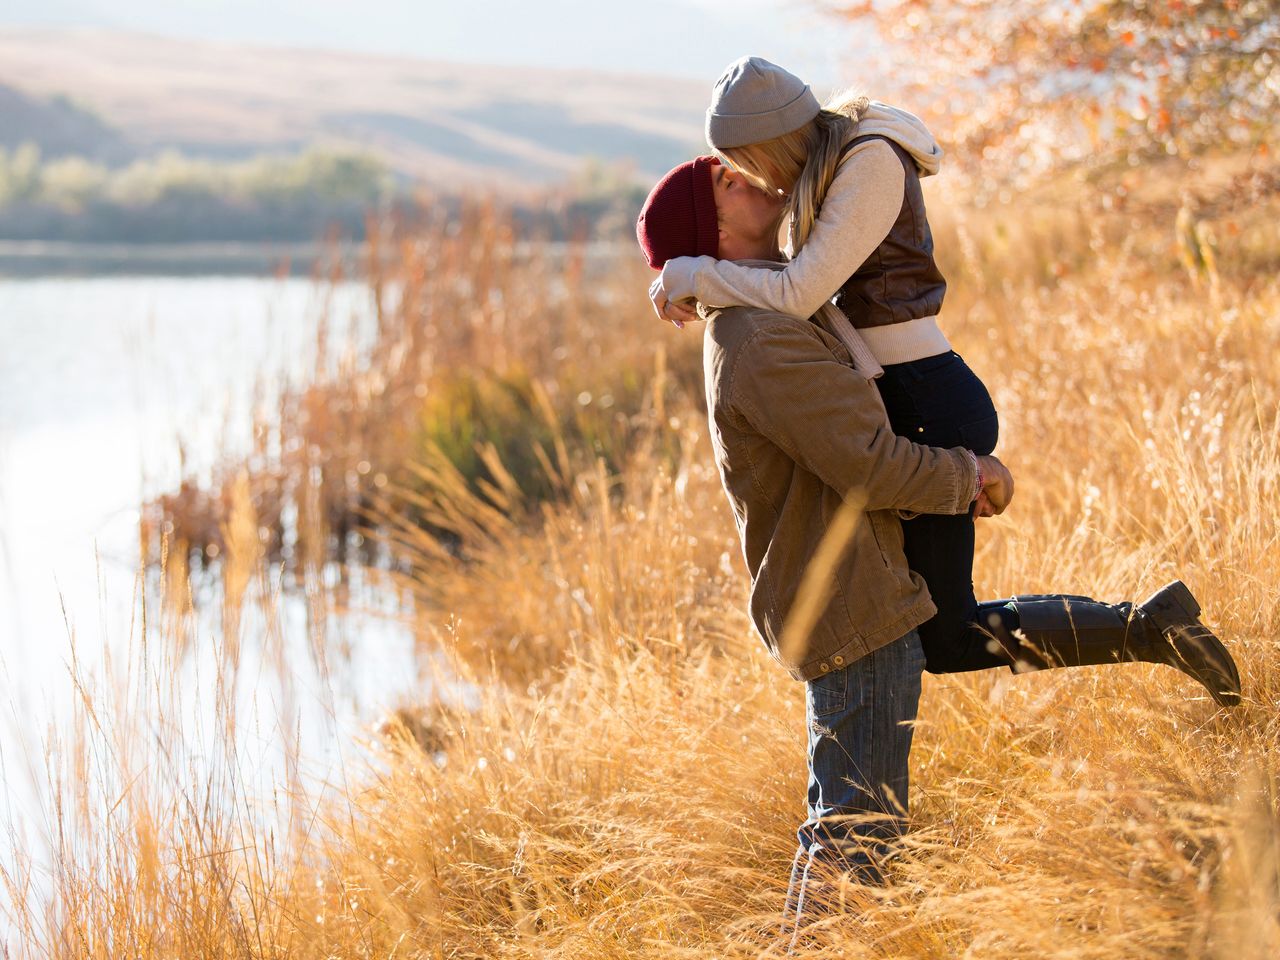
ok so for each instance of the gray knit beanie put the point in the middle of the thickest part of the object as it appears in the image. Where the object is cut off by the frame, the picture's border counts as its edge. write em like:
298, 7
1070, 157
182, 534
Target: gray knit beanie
755, 100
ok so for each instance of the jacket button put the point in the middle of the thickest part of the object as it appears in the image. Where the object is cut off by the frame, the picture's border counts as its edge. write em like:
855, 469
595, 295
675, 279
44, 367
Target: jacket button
824, 667
919, 429
838, 660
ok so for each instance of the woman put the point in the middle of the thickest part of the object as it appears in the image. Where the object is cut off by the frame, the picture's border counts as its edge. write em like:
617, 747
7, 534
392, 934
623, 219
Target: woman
858, 232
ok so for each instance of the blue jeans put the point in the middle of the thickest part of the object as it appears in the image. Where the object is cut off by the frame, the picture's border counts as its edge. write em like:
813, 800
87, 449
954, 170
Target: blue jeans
860, 723
939, 401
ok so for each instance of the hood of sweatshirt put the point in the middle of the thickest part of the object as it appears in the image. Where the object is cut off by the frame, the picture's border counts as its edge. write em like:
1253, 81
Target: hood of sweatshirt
905, 129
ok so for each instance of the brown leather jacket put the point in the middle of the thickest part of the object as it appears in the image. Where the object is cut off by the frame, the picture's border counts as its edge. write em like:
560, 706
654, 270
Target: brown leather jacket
795, 430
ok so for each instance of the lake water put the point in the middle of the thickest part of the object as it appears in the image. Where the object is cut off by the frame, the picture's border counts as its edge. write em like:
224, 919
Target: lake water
107, 386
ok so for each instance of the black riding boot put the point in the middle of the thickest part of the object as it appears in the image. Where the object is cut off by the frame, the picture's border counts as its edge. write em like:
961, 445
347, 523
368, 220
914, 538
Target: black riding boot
1061, 630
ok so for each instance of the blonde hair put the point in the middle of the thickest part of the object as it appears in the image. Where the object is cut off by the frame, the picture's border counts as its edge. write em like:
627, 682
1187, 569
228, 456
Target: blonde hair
805, 158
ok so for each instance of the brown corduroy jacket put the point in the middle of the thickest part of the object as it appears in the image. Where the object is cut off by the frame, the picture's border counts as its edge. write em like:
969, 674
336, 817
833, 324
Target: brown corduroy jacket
796, 430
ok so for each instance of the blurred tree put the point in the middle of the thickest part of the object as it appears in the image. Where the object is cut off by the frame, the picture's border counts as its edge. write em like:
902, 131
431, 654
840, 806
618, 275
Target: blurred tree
335, 175
20, 173
169, 174
1023, 85
170, 196
71, 183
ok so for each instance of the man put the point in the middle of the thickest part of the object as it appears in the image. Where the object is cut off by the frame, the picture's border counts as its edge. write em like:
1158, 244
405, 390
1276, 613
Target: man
816, 479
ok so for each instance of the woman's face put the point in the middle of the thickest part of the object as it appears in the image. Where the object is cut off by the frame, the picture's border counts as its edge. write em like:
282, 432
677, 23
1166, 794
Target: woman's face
748, 216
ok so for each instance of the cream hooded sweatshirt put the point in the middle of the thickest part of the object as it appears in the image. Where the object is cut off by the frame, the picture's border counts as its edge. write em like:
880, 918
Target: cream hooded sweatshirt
861, 206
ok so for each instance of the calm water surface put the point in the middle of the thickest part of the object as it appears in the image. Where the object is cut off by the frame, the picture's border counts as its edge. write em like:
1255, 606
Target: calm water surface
107, 387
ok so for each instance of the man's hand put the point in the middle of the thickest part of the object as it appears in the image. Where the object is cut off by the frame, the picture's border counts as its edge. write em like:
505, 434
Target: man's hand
677, 313
997, 488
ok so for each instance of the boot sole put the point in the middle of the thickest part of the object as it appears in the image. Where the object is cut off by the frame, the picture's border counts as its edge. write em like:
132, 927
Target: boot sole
1198, 652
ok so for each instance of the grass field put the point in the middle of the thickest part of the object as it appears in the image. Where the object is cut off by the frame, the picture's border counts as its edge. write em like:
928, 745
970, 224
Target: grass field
628, 781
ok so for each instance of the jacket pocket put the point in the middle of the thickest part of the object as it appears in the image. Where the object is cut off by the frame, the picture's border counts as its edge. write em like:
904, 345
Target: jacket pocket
887, 530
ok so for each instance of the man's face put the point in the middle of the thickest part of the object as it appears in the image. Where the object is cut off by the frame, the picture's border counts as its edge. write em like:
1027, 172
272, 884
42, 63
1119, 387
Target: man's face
748, 217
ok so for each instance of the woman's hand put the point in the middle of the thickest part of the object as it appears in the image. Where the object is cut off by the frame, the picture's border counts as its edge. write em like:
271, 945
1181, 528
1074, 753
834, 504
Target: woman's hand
997, 488
676, 313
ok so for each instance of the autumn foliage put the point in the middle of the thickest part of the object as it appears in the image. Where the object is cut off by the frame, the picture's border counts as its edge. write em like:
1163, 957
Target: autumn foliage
1025, 85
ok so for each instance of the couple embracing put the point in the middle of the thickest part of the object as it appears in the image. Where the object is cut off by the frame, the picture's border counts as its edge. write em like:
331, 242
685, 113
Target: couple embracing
832, 388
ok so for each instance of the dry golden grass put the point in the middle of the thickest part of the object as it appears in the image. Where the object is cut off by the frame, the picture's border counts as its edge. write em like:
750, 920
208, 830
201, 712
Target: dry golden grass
629, 781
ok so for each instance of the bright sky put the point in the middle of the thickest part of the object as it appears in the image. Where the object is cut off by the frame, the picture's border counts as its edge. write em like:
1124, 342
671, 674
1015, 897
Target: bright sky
693, 38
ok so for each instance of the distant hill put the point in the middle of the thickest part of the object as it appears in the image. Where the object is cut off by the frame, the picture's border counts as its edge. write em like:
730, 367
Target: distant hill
59, 127
113, 96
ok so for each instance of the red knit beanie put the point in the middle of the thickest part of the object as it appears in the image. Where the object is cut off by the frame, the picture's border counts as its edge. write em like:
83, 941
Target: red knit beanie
679, 217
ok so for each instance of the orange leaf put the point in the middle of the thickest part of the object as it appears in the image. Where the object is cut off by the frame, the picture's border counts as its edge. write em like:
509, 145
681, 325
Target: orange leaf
1127, 38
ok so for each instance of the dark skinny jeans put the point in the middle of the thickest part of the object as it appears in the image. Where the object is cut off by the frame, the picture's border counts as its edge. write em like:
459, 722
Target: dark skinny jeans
940, 402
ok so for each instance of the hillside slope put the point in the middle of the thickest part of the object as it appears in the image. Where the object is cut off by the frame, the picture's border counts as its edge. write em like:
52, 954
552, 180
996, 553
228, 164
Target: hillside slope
449, 124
